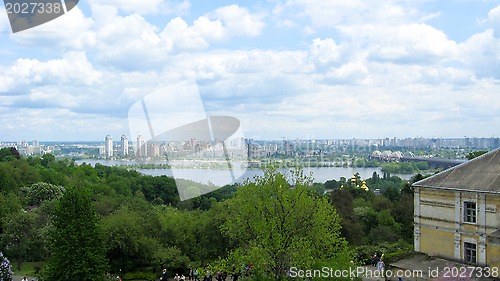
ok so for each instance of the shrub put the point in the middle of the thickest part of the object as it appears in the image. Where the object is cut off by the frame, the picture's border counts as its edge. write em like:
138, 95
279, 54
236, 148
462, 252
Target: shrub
392, 257
392, 252
146, 276
5, 268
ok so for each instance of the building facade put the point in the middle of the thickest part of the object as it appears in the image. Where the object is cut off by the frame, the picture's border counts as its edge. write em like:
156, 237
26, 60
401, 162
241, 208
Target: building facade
141, 148
124, 145
108, 146
457, 212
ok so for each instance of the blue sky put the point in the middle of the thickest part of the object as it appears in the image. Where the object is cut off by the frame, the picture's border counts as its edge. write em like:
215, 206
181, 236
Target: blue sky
285, 68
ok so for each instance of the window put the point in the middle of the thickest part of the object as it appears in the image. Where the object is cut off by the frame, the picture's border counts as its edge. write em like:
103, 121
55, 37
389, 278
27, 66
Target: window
470, 212
470, 252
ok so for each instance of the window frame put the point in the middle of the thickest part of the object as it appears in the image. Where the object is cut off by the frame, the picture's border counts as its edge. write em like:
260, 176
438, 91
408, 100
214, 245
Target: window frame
470, 252
470, 212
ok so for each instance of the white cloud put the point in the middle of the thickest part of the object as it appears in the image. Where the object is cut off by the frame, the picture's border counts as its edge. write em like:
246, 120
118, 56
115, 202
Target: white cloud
494, 20
74, 68
327, 13
223, 23
368, 69
324, 52
482, 52
145, 7
331, 13
238, 21
494, 14
72, 30
404, 43
103, 14
351, 73
182, 36
130, 42
125, 40
29, 123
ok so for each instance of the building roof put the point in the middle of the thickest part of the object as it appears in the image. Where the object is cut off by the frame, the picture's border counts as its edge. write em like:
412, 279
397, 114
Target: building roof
481, 174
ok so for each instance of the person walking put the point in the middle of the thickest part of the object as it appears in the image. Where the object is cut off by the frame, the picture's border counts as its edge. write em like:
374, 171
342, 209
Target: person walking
374, 260
196, 274
164, 275
380, 265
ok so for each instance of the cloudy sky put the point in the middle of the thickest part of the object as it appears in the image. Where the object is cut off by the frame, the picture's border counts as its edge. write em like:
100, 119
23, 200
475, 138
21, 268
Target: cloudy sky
285, 68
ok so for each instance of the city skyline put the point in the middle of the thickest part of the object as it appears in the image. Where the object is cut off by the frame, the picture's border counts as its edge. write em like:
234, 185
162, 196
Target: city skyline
125, 138
284, 69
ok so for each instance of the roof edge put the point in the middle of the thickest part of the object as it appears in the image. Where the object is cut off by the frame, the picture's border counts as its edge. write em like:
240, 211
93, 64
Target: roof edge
460, 189
418, 183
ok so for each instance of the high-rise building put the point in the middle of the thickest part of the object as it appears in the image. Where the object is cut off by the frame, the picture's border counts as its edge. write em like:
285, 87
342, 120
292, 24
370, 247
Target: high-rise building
153, 150
141, 149
124, 143
109, 146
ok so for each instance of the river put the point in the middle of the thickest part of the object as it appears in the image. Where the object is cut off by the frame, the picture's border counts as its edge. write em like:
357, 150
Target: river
219, 177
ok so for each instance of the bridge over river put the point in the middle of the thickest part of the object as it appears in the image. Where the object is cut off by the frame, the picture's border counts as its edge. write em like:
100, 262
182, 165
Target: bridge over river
434, 162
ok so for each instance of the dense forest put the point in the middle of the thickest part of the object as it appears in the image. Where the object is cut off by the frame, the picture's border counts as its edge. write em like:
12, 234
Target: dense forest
83, 222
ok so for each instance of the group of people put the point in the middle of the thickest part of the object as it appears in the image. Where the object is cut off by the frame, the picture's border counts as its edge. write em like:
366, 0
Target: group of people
378, 262
193, 275
209, 276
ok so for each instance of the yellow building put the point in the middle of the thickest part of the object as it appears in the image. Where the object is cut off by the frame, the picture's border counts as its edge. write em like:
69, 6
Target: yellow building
457, 212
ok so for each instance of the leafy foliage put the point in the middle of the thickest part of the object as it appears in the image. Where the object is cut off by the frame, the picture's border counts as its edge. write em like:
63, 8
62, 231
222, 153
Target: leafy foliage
130, 245
277, 223
8, 154
391, 251
405, 167
140, 225
367, 218
40, 192
76, 244
18, 234
343, 201
475, 154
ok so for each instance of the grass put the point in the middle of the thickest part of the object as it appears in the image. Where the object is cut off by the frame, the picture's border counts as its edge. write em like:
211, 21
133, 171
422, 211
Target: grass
27, 268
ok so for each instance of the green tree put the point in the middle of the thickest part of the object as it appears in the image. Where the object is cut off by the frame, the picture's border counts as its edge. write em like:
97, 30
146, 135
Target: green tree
128, 238
47, 159
39, 192
475, 154
9, 204
78, 252
331, 184
392, 193
403, 214
278, 223
8, 154
17, 235
8, 180
423, 165
342, 200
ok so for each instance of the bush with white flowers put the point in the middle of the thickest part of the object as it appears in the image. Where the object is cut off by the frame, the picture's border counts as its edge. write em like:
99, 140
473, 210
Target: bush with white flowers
5, 269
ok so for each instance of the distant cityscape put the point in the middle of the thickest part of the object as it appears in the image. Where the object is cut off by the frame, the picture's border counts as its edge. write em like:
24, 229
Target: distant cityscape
239, 147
